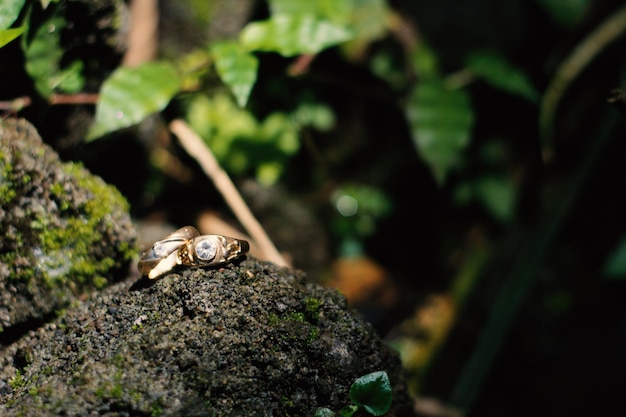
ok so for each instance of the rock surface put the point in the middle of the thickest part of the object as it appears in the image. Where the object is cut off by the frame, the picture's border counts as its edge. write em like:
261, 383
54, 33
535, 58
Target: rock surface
244, 340
63, 231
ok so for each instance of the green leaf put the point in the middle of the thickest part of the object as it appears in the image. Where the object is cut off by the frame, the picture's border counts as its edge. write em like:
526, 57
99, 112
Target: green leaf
373, 392
441, 121
368, 18
291, 7
132, 94
7, 35
425, 63
70, 79
291, 35
565, 12
237, 68
9, 12
498, 195
316, 115
495, 70
348, 410
44, 53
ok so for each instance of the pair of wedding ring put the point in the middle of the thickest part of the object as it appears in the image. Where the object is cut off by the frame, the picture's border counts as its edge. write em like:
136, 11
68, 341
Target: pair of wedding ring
188, 248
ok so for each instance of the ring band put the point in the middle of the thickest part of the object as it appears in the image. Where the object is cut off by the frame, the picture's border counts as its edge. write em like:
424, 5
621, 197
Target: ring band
209, 250
186, 247
159, 258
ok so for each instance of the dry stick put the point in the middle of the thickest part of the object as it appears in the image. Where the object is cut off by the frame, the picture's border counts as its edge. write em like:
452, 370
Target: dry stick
611, 29
195, 147
144, 32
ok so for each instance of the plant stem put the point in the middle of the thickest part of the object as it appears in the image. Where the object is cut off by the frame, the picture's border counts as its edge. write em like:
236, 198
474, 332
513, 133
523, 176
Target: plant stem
194, 145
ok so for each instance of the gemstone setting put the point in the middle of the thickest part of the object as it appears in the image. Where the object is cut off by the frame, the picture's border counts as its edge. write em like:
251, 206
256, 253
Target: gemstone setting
206, 249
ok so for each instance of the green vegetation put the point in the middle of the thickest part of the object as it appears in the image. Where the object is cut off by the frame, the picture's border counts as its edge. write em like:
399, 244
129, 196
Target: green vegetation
371, 392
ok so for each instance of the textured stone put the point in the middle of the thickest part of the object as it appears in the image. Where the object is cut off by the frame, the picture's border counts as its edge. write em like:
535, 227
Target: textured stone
63, 231
244, 340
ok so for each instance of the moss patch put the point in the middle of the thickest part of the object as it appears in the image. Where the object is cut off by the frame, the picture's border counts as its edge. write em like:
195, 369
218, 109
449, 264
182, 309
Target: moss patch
65, 231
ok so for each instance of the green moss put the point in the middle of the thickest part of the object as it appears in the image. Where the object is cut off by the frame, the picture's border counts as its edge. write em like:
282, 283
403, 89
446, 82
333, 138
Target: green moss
7, 189
312, 308
156, 410
296, 316
17, 381
66, 253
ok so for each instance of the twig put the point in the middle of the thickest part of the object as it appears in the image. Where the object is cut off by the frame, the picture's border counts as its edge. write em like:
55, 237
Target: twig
301, 65
611, 29
195, 147
143, 35
20, 103
79, 98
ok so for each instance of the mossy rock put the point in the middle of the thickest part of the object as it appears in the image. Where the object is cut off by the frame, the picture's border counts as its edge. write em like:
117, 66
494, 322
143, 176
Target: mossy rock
63, 231
243, 340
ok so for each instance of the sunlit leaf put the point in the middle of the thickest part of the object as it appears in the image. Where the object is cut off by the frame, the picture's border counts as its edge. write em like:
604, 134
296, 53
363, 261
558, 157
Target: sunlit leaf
9, 12
7, 35
372, 392
220, 122
441, 121
295, 7
342, 12
495, 70
237, 68
291, 35
132, 94
278, 129
368, 17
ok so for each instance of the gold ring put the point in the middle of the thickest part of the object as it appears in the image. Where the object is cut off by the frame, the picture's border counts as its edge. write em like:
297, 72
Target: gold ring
163, 255
210, 250
186, 247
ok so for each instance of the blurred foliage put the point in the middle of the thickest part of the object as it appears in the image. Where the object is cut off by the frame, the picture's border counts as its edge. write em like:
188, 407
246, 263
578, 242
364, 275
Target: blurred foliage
439, 113
129, 95
565, 12
359, 207
615, 264
43, 54
495, 70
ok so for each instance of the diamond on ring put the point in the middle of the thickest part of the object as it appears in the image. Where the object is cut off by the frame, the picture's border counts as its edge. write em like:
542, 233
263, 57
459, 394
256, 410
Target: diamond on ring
206, 250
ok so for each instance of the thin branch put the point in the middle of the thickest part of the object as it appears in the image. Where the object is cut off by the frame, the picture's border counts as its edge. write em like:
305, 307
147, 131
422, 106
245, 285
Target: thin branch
195, 147
20, 103
611, 29
144, 32
79, 98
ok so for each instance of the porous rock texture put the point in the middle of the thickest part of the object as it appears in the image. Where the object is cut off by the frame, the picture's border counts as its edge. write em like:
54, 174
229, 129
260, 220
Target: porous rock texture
244, 340
63, 231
